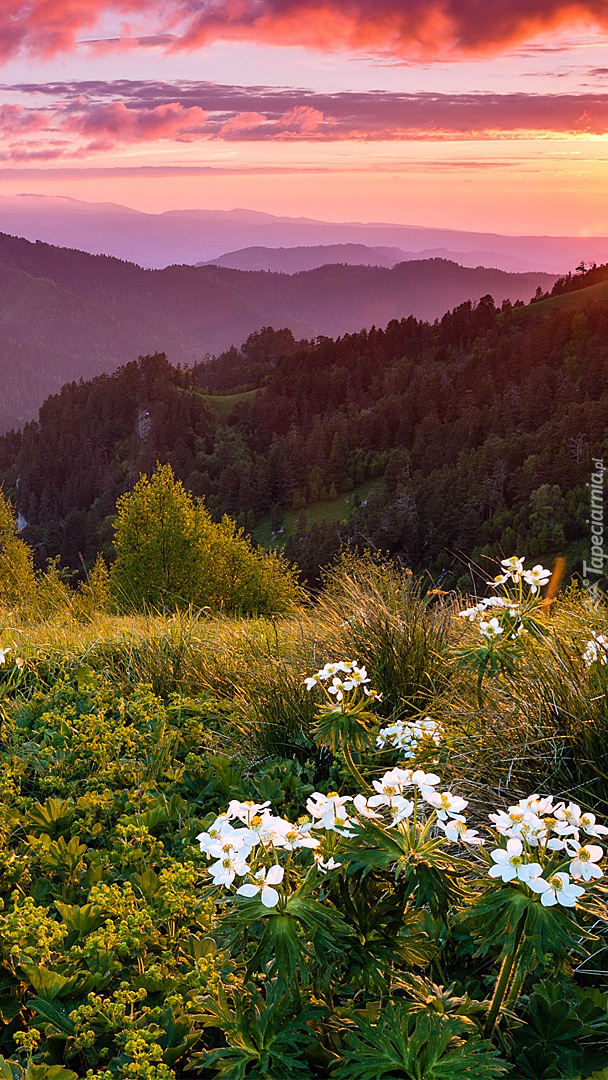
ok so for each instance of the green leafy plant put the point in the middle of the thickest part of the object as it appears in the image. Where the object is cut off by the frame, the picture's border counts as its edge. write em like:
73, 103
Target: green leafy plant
416, 1046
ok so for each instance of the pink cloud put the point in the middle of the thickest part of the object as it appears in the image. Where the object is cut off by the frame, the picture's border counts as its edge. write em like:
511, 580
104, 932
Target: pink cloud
401, 28
302, 120
242, 125
16, 119
83, 118
116, 123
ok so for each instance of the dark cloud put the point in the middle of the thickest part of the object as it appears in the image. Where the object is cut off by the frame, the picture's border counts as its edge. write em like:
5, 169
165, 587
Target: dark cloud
417, 28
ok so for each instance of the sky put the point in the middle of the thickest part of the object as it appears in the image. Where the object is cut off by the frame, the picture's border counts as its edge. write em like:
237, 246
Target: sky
488, 115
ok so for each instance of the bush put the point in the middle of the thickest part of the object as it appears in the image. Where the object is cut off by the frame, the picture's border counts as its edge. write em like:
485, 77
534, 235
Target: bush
17, 581
170, 554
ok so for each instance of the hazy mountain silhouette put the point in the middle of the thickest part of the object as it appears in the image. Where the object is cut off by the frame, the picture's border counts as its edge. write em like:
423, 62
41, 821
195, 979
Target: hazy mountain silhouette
295, 259
194, 236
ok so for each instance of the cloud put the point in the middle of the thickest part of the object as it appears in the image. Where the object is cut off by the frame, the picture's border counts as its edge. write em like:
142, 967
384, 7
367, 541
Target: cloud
425, 29
116, 123
87, 117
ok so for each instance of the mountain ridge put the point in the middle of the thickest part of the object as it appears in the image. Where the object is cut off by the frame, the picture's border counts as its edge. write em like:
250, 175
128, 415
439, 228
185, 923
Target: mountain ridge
156, 240
292, 260
91, 313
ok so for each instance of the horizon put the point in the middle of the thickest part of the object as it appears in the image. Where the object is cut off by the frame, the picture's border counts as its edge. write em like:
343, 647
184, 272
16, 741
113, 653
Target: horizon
378, 223
439, 116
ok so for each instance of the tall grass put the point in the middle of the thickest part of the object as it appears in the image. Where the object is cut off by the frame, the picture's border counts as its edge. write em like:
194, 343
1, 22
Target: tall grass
385, 618
543, 727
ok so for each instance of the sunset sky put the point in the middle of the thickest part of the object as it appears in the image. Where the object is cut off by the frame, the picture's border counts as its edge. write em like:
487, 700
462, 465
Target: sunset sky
471, 114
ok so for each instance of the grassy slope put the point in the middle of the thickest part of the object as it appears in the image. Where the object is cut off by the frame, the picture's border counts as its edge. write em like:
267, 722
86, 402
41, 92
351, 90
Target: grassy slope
222, 405
329, 511
571, 301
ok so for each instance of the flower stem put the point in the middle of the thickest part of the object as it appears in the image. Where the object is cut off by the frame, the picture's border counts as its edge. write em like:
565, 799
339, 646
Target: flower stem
480, 701
503, 980
514, 990
353, 768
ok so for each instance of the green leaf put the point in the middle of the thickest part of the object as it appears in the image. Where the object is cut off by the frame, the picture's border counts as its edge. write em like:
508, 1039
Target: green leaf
55, 1014
48, 984
48, 1072
86, 677
416, 1046
82, 920
10, 1070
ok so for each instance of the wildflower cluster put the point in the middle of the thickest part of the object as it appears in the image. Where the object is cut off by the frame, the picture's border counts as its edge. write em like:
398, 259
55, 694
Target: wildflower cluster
263, 835
513, 608
254, 851
546, 848
407, 734
346, 676
596, 650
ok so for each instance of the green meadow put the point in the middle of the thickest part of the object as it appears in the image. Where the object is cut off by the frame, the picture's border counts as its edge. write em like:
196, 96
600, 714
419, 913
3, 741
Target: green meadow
336, 921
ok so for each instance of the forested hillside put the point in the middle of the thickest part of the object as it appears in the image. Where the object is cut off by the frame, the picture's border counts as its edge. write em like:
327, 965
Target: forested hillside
473, 434
67, 315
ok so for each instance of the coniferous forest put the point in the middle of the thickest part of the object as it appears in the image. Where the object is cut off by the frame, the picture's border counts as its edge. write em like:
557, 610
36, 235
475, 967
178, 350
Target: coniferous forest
438, 442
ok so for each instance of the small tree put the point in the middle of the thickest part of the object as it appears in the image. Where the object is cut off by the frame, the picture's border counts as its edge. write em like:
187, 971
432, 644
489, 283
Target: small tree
170, 553
17, 580
156, 542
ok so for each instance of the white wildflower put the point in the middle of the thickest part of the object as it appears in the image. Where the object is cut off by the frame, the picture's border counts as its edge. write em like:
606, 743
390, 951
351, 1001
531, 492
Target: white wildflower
596, 649
536, 577
446, 804
228, 867
458, 831
510, 862
262, 883
245, 811
584, 867
325, 865
557, 890
490, 629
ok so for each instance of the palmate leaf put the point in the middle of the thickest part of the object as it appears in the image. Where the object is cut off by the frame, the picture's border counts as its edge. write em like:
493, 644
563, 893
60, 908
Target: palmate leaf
12, 1070
49, 984
56, 1014
416, 1046
265, 1036
387, 935
336, 729
289, 938
548, 932
431, 877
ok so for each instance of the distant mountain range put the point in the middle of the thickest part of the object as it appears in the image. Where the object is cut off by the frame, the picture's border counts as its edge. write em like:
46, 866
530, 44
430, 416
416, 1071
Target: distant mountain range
295, 259
65, 314
195, 236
